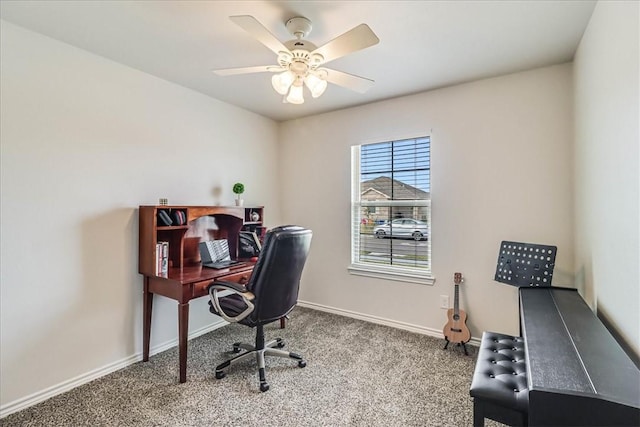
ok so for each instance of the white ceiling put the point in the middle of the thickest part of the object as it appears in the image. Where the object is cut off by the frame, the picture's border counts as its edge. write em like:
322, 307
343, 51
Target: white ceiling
423, 44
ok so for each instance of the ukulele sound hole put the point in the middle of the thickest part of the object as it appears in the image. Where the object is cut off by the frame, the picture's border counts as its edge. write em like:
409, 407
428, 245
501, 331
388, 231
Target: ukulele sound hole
456, 317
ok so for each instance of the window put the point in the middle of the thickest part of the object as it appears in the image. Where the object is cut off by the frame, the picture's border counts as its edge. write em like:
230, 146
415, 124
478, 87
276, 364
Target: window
391, 210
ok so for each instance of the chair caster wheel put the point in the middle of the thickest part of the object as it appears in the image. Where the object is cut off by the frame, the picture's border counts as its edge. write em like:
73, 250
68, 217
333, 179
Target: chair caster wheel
302, 364
264, 387
220, 375
280, 344
236, 349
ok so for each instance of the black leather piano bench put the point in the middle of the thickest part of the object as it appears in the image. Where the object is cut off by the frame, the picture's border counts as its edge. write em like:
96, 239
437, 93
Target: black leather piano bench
499, 387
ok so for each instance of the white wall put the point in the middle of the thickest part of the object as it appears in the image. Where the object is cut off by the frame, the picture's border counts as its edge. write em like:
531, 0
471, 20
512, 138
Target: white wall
501, 170
84, 142
606, 164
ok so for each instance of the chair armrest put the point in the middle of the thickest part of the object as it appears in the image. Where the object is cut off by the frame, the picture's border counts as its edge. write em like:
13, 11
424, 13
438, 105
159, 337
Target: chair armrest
233, 288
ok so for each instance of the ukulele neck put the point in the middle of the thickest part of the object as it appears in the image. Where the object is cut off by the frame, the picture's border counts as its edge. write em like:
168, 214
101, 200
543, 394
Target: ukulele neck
456, 306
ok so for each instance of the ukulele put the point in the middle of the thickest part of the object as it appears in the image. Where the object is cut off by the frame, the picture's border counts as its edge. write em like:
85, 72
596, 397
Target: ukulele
456, 330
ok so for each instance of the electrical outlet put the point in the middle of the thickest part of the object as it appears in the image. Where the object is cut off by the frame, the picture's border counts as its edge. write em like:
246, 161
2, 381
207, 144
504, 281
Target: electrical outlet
444, 301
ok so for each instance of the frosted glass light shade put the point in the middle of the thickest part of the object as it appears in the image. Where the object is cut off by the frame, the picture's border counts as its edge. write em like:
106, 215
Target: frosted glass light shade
315, 84
282, 82
295, 95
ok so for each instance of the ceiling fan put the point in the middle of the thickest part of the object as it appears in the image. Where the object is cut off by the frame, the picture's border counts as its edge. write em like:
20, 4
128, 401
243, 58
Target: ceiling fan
300, 62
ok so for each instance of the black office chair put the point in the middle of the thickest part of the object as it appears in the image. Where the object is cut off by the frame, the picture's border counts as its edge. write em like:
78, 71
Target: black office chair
270, 294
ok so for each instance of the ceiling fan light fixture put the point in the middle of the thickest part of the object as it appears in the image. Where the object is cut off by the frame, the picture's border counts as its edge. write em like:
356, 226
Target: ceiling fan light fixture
282, 82
295, 94
316, 85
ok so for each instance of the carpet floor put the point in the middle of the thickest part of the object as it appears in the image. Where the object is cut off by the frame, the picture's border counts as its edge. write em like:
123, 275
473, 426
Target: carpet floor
357, 374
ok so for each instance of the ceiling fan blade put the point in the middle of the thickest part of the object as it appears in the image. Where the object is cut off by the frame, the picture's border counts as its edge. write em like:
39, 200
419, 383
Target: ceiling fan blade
350, 81
353, 40
248, 70
257, 30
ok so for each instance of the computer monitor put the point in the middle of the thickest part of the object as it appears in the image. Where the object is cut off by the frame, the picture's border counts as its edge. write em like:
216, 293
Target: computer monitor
215, 254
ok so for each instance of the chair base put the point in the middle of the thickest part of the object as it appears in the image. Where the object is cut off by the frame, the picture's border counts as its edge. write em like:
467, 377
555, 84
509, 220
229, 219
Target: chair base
259, 351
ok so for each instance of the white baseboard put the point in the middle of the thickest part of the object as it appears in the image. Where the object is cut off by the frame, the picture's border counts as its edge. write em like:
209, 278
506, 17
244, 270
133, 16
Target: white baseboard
41, 396
437, 333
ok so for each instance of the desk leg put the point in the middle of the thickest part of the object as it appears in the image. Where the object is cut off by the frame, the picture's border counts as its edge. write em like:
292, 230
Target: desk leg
147, 306
183, 332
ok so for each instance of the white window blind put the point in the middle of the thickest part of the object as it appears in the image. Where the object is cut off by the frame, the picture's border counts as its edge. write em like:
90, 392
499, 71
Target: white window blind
391, 209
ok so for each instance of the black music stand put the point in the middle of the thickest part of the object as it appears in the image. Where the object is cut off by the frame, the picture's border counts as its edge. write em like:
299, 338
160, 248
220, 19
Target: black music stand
525, 264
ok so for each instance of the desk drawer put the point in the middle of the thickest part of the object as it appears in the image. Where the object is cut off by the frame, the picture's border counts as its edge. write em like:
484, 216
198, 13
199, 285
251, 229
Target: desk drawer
200, 288
242, 278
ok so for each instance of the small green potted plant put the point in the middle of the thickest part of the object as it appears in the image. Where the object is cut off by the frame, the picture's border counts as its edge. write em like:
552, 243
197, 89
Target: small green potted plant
238, 189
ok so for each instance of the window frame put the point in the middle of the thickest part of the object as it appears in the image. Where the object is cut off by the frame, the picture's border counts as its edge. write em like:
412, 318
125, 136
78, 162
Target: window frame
390, 272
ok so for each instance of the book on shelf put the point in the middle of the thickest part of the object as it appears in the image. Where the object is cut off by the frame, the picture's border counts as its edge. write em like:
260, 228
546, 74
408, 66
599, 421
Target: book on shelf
158, 259
162, 259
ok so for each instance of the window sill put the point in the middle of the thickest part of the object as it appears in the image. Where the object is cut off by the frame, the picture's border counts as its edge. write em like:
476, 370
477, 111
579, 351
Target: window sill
391, 273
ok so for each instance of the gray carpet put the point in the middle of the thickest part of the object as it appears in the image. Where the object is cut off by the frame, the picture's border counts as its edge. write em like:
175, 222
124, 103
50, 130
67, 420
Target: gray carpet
357, 374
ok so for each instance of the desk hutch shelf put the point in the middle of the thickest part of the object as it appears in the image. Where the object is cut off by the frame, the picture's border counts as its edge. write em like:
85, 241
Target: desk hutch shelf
183, 239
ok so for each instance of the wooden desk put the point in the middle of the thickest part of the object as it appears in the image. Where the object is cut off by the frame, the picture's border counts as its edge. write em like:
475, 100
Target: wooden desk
183, 285
185, 278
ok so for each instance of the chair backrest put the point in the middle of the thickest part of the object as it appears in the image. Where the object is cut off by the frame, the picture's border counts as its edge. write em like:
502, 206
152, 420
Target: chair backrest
276, 276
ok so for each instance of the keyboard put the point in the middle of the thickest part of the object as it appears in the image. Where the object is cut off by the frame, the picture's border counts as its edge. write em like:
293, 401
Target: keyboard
218, 265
